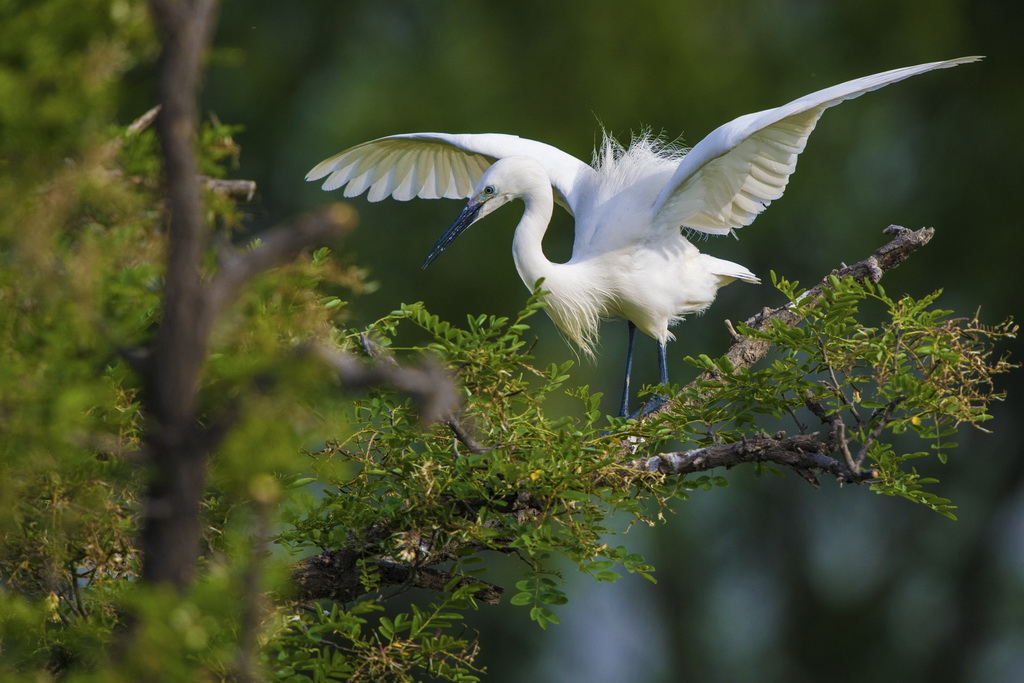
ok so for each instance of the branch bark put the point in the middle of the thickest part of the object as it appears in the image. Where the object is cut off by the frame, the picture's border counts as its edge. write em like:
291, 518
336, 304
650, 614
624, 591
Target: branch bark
170, 530
239, 190
805, 454
429, 385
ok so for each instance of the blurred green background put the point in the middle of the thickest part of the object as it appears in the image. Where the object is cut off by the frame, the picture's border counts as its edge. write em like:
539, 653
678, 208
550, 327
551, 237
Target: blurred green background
835, 584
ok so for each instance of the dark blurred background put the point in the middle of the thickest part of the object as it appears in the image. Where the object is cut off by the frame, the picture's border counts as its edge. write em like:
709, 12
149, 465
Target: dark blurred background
767, 580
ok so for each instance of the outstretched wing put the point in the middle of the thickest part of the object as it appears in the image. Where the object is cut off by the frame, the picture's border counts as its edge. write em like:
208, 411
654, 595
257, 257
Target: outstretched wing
439, 165
730, 176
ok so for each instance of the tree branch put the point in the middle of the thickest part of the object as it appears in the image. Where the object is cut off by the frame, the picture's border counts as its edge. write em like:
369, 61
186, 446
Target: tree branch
429, 385
464, 437
170, 526
178, 444
239, 190
803, 453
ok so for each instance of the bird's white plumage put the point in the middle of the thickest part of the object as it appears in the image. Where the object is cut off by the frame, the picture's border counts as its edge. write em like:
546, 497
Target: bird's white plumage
439, 165
629, 258
729, 191
731, 175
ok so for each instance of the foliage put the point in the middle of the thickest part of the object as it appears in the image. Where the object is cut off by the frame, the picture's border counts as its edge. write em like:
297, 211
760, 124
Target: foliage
307, 468
917, 369
546, 487
552, 486
79, 294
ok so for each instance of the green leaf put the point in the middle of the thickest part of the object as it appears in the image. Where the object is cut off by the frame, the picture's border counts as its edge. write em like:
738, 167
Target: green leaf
522, 599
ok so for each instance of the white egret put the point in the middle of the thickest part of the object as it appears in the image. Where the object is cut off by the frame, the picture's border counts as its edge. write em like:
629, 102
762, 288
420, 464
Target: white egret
629, 258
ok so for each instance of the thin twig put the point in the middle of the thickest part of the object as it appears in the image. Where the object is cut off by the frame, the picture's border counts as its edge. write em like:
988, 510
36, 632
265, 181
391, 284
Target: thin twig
837, 387
801, 427
143, 122
463, 436
839, 437
883, 422
239, 190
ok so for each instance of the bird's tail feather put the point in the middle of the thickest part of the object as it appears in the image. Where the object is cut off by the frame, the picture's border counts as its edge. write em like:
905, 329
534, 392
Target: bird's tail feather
723, 268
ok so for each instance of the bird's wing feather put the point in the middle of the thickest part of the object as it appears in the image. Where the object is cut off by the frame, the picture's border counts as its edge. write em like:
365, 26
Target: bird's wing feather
439, 165
730, 176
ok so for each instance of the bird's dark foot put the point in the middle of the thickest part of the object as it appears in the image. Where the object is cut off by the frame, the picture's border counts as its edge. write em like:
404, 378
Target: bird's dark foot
653, 403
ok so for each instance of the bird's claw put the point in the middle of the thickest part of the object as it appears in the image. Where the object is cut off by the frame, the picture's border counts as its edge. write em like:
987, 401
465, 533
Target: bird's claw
653, 403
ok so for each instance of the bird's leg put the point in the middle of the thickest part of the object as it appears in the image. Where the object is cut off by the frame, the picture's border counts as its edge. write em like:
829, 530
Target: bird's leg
663, 362
657, 400
624, 409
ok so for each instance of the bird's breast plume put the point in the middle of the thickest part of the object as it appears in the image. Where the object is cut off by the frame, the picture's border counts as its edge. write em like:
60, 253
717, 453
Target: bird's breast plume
648, 154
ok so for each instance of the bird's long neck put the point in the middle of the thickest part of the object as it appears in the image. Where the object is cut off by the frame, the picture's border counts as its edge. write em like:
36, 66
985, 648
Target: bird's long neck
527, 245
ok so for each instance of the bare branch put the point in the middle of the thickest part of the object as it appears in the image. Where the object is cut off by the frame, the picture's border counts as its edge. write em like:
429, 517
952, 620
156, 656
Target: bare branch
816, 408
838, 435
385, 360
143, 122
465, 438
429, 385
239, 190
246, 666
802, 453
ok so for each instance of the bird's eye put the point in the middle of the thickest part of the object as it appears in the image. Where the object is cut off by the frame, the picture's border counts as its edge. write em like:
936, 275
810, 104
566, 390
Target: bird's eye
489, 189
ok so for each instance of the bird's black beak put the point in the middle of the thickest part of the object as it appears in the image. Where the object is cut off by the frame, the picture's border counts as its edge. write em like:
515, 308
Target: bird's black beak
465, 219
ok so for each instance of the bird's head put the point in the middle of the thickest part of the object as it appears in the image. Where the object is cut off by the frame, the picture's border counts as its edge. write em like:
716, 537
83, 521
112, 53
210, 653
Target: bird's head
506, 179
